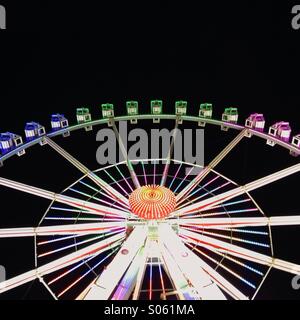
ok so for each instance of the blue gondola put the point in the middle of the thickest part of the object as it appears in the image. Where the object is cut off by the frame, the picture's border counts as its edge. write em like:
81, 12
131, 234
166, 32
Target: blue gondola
34, 130
10, 141
58, 122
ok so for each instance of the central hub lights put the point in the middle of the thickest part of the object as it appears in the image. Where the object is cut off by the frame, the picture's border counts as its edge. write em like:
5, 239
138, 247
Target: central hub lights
152, 202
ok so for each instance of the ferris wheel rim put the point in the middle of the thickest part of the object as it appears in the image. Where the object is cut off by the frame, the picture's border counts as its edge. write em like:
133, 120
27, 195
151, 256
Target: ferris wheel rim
259, 134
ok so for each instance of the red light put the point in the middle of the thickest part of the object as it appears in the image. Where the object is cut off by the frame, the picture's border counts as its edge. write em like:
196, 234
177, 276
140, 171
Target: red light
124, 252
152, 202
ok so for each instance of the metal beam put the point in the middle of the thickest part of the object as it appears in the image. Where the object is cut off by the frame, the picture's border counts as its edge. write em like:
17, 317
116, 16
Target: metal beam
128, 283
211, 223
108, 281
141, 272
69, 229
184, 289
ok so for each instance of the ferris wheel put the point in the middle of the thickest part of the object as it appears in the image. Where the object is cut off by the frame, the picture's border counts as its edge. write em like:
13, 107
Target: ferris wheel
146, 228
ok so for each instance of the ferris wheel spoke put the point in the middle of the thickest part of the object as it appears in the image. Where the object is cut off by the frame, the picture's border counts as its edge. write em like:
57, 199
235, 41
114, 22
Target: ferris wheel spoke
170, 153
116, 182
229, 270
183, 180
220, 198
91, 269
109, 279
203, 187
125, 155
222, 213
207, 193
234, 250
207, 281
209, 203
175, 176
111, 199
228, 237
91, 207
211, 223
124, 178
69, 229
70, 259
193, 184
144, 173
91, 175
90, 196
229, 258
79, 242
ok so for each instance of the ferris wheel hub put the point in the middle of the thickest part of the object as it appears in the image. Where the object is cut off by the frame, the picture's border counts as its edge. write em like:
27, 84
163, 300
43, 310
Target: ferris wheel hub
152, 202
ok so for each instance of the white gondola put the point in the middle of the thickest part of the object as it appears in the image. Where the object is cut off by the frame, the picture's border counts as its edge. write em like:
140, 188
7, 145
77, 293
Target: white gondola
180, 110
255, 121
83, 115
108, 113
156, 109
280, 130
205, 111
132, 110
229, 115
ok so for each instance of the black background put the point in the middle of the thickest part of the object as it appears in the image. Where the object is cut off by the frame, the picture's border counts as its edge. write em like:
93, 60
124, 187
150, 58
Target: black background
55, 58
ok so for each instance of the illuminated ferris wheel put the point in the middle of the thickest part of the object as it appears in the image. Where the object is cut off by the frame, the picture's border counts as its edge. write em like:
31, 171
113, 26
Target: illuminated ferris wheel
147, 229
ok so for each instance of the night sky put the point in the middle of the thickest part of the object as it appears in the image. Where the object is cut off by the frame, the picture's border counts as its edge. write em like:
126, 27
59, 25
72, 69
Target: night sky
55, 59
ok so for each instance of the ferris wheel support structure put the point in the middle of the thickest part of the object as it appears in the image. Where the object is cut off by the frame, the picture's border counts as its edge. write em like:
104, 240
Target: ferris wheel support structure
106, 283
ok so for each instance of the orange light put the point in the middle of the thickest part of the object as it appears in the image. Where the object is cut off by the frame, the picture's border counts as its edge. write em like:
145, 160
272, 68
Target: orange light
152, 202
